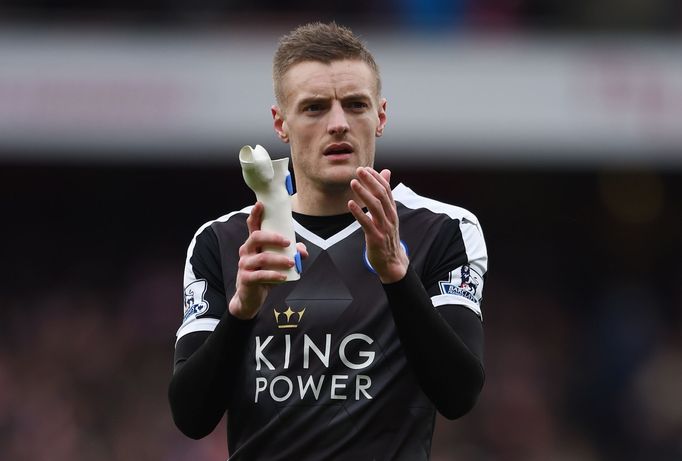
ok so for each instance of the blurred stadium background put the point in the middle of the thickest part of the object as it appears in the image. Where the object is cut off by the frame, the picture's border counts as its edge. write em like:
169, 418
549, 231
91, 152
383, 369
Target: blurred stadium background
558, 123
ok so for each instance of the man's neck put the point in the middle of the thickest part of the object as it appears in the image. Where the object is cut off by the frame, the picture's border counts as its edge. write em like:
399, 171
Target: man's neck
322, 202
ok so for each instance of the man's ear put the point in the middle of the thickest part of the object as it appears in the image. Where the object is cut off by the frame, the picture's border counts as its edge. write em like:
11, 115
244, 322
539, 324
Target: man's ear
382, 117
279, 123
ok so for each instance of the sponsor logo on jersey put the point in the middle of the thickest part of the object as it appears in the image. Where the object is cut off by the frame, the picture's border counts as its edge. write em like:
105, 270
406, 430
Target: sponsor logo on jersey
276, 356
462, 282
195, 303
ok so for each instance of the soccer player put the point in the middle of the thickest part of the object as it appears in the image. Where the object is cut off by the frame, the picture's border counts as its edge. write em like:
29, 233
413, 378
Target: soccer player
352, 361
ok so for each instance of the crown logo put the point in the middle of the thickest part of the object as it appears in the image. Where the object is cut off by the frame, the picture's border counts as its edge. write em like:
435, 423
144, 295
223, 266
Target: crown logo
287, 319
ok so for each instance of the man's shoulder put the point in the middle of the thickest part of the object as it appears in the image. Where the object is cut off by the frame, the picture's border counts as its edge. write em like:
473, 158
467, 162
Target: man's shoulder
232, 218
208, 234
409, 199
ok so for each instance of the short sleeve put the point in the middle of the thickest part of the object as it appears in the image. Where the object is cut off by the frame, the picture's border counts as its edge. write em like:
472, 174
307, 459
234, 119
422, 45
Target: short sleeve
457, 264
203, 292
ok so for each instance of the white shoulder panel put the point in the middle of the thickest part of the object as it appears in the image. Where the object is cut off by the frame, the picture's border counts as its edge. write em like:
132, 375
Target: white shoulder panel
189, 272
472, 233
190, 321
464, 285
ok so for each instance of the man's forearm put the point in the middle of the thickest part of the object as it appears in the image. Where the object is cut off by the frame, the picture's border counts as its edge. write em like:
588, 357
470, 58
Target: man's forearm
201, 384
450, 374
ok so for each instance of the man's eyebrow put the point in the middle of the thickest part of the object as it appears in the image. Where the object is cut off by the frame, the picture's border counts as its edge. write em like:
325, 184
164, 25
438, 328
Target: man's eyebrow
311, 100
356, 96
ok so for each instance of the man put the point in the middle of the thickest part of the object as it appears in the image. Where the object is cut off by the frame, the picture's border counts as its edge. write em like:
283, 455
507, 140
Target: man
352, 361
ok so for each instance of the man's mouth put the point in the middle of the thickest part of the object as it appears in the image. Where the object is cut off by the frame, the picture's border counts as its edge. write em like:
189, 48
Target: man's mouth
342, 148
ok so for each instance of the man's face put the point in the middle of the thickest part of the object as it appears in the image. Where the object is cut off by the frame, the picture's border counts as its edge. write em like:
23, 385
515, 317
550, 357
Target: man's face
331, 116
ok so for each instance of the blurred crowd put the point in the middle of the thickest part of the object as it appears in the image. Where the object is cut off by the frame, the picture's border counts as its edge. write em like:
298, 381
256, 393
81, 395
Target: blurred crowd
582, 314
83, 374
424, 15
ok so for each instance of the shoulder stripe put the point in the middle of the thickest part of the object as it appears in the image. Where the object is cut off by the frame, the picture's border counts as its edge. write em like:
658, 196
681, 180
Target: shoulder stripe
189, 276
406, 196
472, 234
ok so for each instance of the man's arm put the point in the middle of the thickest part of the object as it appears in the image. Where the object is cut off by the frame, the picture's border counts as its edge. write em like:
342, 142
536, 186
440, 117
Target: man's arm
209, 342
443, 345
201, 384
205, 361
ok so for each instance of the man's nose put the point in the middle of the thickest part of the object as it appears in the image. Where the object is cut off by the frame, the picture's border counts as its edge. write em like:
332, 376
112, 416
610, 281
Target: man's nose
338, 123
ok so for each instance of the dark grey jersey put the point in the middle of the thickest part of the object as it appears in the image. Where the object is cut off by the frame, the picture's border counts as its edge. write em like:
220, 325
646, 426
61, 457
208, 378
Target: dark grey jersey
325, 376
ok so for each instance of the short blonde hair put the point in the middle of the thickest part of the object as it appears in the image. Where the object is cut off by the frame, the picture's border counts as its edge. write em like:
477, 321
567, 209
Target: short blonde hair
319, 42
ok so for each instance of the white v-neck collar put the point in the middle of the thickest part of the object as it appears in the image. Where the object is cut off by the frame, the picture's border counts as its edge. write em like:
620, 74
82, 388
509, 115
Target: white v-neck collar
325, 243
342, 234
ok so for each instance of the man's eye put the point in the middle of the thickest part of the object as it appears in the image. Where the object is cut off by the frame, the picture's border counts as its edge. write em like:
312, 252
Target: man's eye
358, 105
313, 108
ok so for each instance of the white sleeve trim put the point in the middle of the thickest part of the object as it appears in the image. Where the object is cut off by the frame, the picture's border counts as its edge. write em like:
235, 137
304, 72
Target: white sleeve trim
206, 324
442, 300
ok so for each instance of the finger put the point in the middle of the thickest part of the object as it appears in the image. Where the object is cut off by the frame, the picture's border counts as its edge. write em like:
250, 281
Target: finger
372, 203
381, 179
253, 222
265, 261
259, 239
381, 189
386, 174
301, 248
372, 180
377, 185
386, 196
260, 277
367, 224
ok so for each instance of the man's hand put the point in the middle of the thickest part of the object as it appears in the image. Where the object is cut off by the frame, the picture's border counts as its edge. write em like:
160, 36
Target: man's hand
258, 269
384, 251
